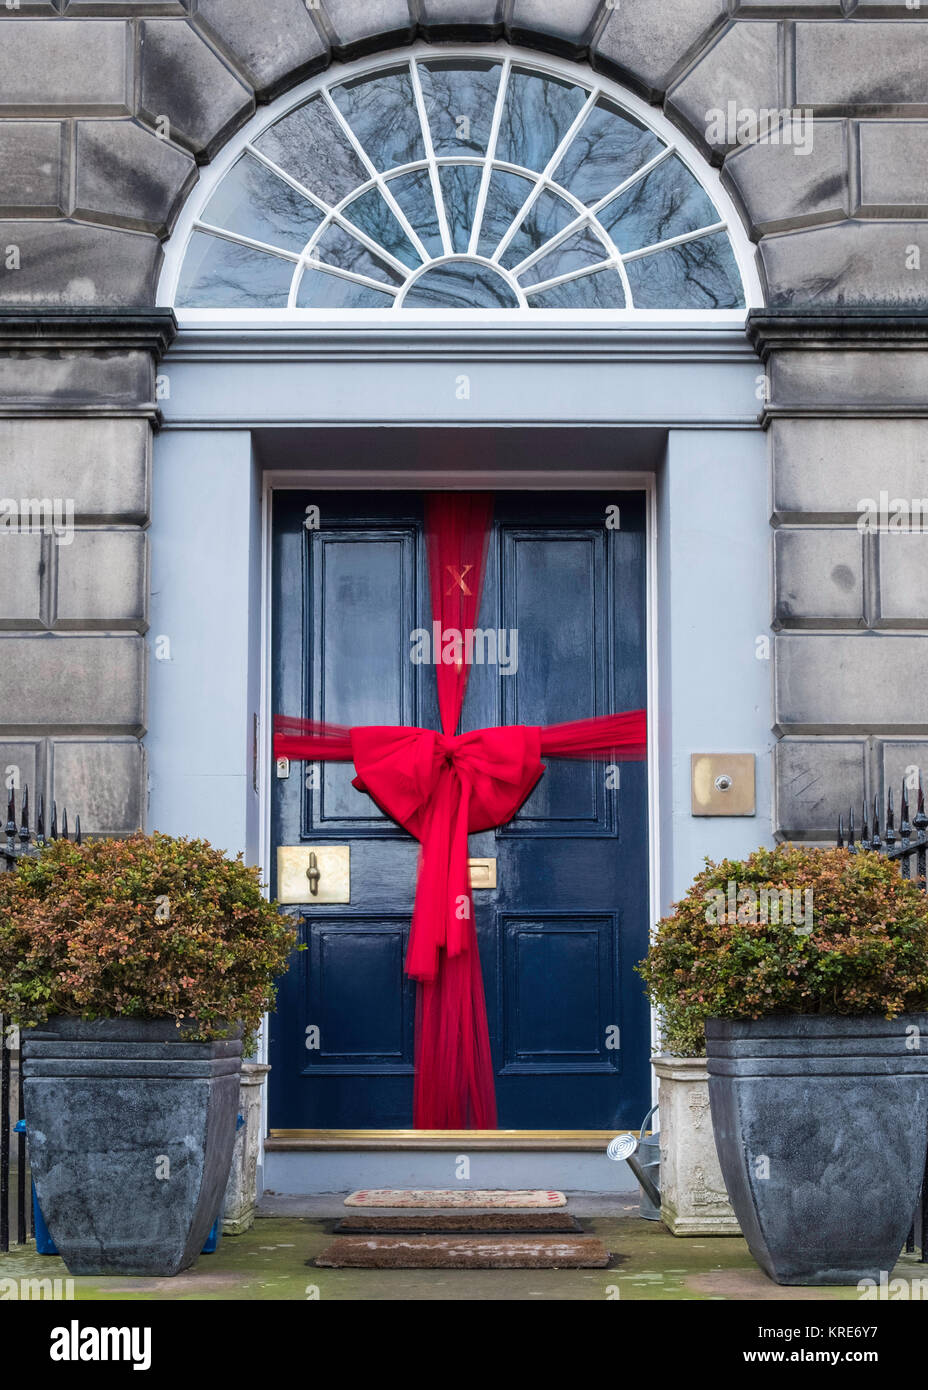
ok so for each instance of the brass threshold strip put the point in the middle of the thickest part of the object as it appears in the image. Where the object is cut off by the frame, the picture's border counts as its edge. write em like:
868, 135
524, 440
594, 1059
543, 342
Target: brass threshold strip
498, 1140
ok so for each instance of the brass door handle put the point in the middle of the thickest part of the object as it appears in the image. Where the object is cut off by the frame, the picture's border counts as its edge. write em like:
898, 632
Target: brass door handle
314, 873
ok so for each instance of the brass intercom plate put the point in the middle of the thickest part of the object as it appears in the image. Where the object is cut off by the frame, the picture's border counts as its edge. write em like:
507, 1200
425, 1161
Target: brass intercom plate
723, 784
332, 864
482, 873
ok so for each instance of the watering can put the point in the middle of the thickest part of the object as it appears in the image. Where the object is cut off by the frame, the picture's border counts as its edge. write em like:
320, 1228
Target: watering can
643, 1156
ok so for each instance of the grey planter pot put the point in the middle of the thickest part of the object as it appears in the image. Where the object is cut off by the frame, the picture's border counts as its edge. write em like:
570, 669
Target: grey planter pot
821, 1127
130, 1132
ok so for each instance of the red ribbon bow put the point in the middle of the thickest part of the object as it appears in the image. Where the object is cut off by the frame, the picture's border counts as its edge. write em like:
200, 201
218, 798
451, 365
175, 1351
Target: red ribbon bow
441, 789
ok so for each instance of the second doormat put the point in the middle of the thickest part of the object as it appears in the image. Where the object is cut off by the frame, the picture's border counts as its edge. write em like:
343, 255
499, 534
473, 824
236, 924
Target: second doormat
465, 1252
508, 1223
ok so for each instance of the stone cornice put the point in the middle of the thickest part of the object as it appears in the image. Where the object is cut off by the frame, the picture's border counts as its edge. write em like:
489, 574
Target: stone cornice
848, 330
148, 330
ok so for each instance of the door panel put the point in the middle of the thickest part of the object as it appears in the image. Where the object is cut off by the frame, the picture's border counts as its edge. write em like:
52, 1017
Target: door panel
553, 585
356, 989
561, 933
560, 987
363, 594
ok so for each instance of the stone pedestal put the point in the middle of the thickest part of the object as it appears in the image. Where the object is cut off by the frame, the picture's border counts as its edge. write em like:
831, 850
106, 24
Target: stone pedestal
694, 1199
241, 1193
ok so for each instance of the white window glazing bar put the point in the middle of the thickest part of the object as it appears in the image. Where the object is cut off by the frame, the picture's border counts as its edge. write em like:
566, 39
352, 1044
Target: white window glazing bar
332, 215
313, 263
464, 259
569, 275
674, 241
578, 273
294, 183
492, 143
443, 227
377, 179
626, 283
589, 214
336, 214
552, 245
240, 239
545, 179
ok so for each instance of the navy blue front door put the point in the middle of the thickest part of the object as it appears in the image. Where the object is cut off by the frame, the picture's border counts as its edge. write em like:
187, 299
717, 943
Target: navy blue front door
561, 933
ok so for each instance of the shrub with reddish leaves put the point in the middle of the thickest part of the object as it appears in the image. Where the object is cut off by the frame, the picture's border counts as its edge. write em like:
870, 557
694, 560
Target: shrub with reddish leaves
859, 945
148, 927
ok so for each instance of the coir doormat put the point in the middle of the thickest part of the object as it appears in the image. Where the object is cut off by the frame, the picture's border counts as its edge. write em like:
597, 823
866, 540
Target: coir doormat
454, 1198
509, 1223
465, 1252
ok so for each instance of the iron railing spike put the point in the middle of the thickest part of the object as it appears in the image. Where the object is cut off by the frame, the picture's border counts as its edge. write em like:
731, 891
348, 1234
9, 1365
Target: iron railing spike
77, 830
905, 825
920, 817
889, 838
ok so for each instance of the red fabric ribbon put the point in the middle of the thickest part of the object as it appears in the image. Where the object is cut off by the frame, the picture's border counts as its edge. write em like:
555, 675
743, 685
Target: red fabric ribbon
441, 790
442, 787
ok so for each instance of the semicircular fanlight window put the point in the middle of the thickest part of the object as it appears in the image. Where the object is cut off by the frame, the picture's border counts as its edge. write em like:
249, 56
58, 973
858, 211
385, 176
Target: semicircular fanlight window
459, 182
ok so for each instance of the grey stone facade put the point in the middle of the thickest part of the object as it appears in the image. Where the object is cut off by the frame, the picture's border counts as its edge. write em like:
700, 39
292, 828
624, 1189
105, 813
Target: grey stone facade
76, 418
846, 420
108, 107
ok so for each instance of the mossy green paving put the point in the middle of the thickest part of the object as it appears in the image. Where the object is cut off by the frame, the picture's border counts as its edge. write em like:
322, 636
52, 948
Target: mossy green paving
270, 1262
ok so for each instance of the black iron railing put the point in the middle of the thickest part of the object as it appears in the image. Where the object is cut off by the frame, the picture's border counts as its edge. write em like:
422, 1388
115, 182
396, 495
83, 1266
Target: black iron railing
909, 846
20, 839
18, 842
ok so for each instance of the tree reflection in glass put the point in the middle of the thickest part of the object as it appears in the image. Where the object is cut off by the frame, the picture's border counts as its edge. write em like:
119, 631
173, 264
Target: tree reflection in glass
547, 177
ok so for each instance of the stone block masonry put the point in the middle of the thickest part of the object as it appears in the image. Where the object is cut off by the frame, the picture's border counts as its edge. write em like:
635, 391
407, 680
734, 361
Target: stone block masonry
848, 428
75, 500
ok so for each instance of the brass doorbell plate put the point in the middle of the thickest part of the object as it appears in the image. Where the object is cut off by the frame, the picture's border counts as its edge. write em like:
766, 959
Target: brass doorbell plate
723, 784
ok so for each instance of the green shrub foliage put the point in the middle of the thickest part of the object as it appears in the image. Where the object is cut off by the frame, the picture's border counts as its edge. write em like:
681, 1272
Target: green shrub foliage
147, 927
855, 941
